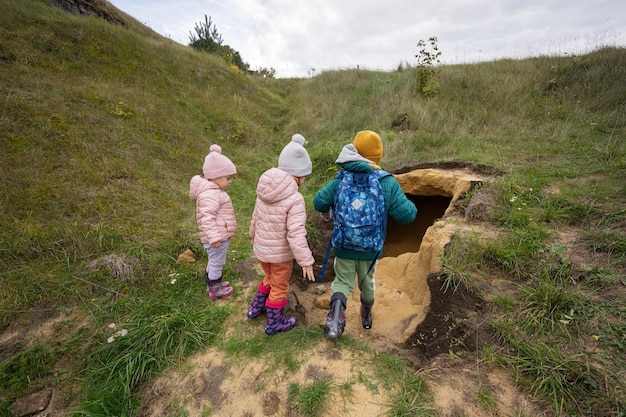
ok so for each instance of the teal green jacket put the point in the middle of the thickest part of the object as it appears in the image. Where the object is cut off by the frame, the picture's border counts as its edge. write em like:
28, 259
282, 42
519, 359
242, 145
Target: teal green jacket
397, 205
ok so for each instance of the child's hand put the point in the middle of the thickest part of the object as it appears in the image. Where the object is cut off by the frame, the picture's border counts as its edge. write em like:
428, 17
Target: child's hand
327, 216
307, 272
216, 244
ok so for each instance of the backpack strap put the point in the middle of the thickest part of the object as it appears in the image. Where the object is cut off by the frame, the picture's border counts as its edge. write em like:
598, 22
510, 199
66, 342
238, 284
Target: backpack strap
325, 262
380, 173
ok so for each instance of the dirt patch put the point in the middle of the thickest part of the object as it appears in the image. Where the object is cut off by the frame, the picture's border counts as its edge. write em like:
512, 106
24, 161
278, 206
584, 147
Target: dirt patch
222, 385
451, 324
466, 166
465, 388
37, 324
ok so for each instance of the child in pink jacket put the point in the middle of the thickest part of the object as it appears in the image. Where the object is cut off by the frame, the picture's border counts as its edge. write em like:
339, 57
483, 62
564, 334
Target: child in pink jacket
278, 234
215, 216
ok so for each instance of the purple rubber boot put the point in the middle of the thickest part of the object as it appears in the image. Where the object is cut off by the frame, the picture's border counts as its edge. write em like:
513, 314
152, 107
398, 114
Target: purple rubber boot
258, 304
276, 320
215, 281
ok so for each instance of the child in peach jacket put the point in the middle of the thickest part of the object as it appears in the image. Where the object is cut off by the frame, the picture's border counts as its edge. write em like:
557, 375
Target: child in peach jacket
278, 234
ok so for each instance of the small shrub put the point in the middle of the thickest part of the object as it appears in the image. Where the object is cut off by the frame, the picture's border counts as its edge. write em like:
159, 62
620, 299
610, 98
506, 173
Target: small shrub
427, 76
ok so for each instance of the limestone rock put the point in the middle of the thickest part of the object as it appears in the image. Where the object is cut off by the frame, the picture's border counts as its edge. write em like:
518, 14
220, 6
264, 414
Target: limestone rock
31, 404
198, 384
319, 289
186, 257
322, 301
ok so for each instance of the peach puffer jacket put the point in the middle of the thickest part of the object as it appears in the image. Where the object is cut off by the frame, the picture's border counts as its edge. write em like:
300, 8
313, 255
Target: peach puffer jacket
214, 210
277, 228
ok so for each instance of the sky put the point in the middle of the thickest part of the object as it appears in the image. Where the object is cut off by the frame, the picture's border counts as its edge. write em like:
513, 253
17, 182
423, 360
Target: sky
302, 38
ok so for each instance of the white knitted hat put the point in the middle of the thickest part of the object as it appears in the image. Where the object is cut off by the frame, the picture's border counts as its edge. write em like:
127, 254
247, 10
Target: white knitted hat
294, 159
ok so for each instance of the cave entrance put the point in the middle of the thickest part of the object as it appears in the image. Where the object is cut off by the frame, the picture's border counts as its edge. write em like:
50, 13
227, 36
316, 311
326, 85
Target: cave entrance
402, 238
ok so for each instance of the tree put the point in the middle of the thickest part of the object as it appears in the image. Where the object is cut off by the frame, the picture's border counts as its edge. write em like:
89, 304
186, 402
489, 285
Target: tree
267, 72
206, 38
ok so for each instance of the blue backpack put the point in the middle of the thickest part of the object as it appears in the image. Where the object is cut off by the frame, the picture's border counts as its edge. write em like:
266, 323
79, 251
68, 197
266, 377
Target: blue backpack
360, 218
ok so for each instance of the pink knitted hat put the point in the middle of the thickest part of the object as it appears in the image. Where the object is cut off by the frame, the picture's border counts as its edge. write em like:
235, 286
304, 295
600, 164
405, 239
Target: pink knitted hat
217, 165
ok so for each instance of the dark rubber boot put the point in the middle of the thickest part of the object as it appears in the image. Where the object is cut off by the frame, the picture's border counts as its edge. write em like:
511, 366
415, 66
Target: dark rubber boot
217, 281
276, 320
258, 304
336, 318
366, 313
217, 291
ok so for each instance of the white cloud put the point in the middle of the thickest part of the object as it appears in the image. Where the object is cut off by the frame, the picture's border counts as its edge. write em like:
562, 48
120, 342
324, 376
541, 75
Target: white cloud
295, 36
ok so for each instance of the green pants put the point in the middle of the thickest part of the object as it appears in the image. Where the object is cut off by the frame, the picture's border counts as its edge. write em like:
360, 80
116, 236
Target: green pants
346, 270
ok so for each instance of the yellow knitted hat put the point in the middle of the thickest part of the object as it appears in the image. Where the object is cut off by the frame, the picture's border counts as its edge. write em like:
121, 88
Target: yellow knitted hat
369, 145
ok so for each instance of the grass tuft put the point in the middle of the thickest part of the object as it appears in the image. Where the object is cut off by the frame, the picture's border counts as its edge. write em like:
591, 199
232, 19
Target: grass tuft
309, 399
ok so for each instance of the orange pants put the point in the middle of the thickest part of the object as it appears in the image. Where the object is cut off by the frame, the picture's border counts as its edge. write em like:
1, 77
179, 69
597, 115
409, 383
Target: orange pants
277, 278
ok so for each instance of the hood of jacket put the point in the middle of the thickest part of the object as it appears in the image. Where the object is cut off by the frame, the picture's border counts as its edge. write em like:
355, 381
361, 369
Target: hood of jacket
275, 185
198, 185
350, 159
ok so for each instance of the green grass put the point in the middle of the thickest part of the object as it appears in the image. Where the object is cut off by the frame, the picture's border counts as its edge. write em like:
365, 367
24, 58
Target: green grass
309, 399
559, 310
412, 399
486, 397
103, 125
278, 352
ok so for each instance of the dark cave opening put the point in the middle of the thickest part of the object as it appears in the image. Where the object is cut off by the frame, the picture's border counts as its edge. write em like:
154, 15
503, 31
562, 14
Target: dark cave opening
403, 238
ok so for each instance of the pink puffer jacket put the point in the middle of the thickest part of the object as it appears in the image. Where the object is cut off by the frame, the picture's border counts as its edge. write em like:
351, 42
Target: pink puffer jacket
214, 210
278, 222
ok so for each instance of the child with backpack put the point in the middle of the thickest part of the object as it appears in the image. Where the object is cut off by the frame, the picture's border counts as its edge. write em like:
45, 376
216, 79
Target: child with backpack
215, 216
278, 234
359, 199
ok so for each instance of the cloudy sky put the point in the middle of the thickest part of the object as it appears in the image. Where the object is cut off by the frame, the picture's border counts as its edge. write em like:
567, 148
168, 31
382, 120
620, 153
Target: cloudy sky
299, 38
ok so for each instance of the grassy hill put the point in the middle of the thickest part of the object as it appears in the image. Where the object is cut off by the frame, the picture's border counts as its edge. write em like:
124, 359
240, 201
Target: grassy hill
104, 122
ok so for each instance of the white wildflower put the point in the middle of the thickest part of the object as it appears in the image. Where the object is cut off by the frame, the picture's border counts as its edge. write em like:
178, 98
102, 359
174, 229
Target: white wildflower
122, 332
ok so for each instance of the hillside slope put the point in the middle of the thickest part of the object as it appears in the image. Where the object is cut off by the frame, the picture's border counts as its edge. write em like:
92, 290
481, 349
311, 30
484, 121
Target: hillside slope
97, 116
